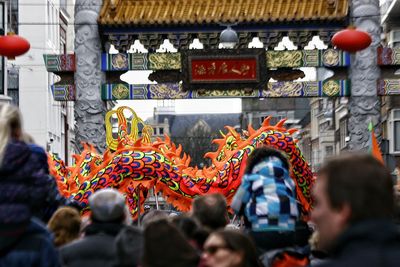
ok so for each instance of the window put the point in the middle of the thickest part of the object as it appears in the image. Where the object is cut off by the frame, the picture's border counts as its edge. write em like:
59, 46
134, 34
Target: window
14, 13
394, 131
343, 133
13, 85
2, 18
161, 131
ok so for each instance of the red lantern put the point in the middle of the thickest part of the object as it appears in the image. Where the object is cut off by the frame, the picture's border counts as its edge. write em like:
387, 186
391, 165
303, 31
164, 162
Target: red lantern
351, 40
13, 45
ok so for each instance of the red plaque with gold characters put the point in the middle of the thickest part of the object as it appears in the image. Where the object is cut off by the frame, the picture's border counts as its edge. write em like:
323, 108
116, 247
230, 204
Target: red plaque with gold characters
224, 69
243, 69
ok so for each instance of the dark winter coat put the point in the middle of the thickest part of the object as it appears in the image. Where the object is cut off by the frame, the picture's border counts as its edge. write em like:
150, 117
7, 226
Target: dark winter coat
34, 248
96, 249
368, 244
23, 188
53, 198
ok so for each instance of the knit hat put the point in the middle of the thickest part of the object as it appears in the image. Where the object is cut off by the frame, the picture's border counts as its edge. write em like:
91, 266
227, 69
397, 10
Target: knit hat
107, 205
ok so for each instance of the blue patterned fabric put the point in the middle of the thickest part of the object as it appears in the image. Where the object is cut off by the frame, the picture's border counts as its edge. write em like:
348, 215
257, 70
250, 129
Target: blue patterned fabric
267, 197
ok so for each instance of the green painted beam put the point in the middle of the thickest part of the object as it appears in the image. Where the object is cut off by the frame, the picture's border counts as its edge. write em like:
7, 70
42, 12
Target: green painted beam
327, 88
275, 59
59, 63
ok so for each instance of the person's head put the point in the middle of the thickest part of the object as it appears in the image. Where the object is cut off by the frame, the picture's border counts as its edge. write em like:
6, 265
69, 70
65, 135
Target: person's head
165, 245
129, 246
211, 211
191, 229
151, 216
229, 248
10, 126
261, 153
107, 206
65, 225
186, 224
350, 189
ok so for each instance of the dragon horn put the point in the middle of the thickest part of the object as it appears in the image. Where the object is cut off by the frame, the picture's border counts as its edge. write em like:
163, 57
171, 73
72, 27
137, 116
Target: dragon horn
250, 129
211, 155
266, 121
280, 123
219, 142
173, 147
85, 146
179, 150
222, 133
188, 161
233, 131
167, 139
292, 131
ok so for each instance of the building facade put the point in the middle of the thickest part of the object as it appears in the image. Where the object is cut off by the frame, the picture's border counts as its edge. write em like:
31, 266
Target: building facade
390, 10
4, 28
337, 112
46, 24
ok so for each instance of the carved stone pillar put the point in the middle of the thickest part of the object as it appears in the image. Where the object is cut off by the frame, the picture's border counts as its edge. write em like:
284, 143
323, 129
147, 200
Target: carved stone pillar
89, 108
364, 104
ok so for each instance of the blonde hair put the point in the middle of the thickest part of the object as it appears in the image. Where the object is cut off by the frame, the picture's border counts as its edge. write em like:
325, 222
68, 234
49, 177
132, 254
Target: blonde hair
65, 225
10, 123
313, 241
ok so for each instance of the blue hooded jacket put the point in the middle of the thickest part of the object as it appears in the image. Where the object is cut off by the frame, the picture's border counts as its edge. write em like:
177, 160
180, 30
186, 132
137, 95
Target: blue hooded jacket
267, 197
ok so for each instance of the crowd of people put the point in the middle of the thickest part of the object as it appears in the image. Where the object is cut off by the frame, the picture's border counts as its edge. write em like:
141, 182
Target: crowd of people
353, 221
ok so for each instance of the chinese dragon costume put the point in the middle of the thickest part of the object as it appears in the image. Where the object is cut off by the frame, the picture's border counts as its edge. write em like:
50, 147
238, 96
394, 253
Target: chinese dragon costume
133, 164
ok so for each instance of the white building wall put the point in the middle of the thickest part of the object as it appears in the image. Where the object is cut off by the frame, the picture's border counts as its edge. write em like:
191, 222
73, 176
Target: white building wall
43, 118
3, 97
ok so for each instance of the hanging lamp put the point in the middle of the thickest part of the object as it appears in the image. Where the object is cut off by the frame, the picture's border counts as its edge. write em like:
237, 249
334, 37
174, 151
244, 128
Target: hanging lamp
12, 45
351, 40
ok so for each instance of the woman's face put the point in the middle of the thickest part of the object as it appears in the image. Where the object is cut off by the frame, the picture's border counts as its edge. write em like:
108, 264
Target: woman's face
216, 254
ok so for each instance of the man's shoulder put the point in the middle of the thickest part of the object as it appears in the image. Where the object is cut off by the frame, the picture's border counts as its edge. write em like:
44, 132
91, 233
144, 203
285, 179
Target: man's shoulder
374, 256
92, 242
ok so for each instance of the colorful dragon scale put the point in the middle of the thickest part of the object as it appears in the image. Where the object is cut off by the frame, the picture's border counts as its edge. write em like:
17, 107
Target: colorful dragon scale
138, 165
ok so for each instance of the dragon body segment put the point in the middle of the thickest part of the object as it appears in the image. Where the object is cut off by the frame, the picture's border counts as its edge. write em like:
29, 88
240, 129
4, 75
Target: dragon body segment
138, 165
